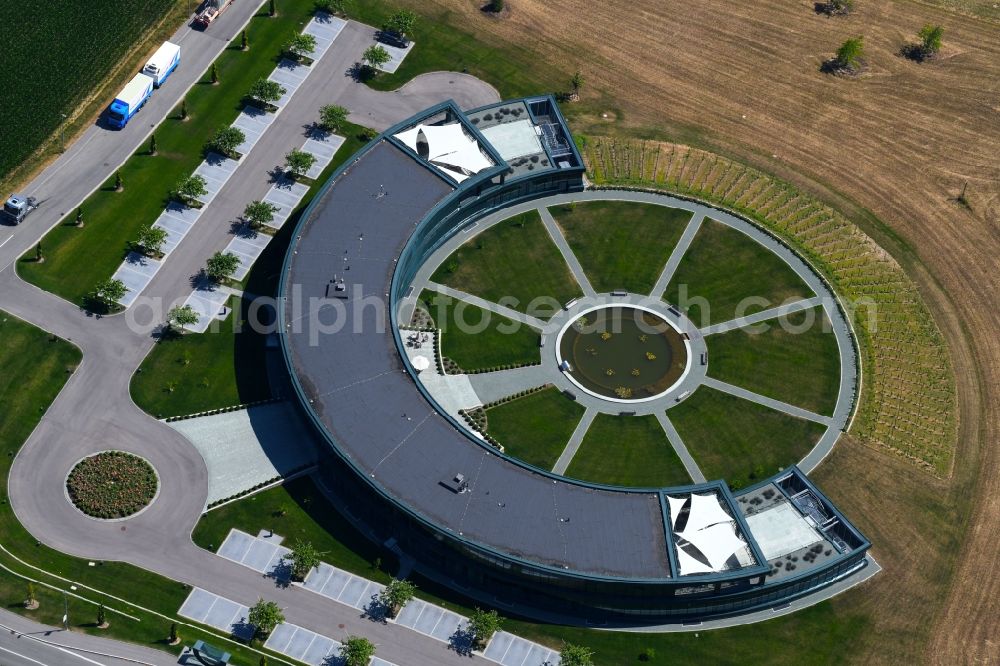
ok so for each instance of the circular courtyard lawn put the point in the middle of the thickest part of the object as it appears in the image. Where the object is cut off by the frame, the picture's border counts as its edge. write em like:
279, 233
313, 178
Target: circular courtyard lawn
112, 484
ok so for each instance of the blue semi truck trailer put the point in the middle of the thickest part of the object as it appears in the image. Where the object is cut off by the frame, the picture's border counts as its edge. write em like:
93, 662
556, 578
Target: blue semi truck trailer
130, 100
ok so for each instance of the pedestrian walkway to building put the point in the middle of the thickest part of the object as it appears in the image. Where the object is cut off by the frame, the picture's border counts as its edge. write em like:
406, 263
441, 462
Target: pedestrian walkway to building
264, 554
249, 447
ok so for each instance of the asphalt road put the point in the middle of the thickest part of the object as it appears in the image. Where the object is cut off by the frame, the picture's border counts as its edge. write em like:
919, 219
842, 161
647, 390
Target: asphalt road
27, 643
94, 411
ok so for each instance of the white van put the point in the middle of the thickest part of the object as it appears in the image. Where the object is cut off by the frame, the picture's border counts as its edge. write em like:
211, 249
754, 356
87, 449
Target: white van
163, 62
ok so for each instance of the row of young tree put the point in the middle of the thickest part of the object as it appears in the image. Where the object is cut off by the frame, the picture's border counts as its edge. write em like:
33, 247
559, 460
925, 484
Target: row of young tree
850, 57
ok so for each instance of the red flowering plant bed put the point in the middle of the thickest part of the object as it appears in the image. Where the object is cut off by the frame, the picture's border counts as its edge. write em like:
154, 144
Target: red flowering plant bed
112, 484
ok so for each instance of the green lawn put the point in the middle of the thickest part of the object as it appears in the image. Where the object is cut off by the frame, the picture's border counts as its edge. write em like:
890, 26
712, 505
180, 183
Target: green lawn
77, 259
725, 266
34, 366
195, 372
620, 244
798, 363
740, 441
445, 41
477, 339
298, 510
627, 451
535, 428
512, 263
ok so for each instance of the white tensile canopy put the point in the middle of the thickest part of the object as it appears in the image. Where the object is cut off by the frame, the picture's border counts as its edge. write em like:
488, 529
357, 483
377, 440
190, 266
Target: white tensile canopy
449, 148
709, 528
676, 504
705, 511
689, 565
717, 543
421, 363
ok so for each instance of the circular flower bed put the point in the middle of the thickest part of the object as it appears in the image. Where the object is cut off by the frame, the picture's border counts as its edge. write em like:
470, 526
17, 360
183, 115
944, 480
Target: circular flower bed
112, 484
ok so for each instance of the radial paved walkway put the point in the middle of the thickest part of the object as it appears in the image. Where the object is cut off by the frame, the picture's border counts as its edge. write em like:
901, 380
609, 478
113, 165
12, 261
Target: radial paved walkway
490, 386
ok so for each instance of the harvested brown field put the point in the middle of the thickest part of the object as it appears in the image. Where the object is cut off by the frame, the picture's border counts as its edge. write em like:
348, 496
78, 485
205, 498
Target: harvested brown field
891, 150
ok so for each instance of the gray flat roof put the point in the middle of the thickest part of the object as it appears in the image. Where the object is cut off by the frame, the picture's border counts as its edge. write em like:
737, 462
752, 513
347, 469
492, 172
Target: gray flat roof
377, 417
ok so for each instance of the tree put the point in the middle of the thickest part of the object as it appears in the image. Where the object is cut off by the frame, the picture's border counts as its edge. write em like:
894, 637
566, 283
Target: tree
298, 162
259, 213
332, 117
575, 655
173, 638
152, 144
850, 53
271, 10
215, 74
265, 91
330, 6
577, 82
79, 216
375, 56
227, 140
839, 7
119, 182
265, 616
482, 626
244, 42
300, 45
30, 600
396, 594
109, 292
356, 651
400, 23
303, 558
150, 240
222, 266
189, 189
180, 316
184, 108
39, 257
930, 39
102, 620
497, 6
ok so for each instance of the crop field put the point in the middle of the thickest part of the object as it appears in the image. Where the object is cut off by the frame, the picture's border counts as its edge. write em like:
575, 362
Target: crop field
54, 55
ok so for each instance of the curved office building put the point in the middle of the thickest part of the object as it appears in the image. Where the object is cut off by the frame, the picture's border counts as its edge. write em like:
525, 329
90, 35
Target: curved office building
413, 477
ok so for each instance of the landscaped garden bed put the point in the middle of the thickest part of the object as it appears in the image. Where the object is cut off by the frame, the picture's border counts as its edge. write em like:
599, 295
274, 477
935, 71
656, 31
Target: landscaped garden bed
112, 484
